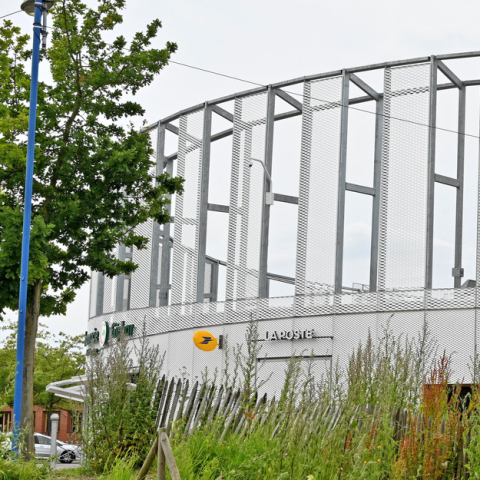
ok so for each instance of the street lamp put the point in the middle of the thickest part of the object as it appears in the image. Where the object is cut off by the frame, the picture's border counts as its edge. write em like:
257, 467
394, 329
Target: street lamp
37, 9
268, 195
29, 6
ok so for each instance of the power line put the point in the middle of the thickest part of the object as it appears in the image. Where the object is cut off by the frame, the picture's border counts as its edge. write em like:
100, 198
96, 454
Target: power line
313, 98
8, 14
216, 73
327, 101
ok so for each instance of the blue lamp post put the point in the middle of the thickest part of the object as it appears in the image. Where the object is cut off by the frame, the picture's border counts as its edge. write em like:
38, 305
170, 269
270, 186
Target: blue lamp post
37, 9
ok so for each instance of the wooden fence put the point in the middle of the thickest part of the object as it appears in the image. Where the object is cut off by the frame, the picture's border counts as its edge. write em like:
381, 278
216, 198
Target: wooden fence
186, 409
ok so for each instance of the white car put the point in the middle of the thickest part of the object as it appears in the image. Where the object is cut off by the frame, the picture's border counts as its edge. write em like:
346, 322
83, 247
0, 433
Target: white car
66, 453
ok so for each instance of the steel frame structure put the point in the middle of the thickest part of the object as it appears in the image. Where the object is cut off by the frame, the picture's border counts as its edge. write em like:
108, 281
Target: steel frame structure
178, 283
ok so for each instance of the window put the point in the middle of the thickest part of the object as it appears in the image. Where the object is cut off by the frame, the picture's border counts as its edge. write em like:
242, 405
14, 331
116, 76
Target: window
41, 440
6, 421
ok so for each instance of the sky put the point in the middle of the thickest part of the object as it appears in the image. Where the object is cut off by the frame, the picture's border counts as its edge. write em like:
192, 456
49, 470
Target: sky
266, 41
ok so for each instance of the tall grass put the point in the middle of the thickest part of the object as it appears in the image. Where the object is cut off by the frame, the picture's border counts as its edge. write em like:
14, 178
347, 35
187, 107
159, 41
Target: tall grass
390, 415
21, 470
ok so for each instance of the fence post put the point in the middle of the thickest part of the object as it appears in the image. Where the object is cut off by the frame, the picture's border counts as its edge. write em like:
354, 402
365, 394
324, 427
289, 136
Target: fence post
170, 459
53, 446
161, 463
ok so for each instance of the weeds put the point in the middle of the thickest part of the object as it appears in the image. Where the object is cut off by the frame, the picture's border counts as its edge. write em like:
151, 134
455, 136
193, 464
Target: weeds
120, 405
392, 414
383, 418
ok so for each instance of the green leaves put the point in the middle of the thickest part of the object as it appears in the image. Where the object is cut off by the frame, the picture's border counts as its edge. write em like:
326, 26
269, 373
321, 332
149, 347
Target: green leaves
94, 180
58, 357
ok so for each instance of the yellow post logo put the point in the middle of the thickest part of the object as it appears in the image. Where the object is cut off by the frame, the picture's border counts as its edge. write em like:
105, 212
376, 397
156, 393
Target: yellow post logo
205, 341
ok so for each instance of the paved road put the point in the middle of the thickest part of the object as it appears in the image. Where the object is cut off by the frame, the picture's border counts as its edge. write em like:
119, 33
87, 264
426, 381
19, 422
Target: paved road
65, 466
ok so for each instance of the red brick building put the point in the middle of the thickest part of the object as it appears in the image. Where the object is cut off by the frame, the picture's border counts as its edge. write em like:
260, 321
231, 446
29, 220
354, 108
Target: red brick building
67, 431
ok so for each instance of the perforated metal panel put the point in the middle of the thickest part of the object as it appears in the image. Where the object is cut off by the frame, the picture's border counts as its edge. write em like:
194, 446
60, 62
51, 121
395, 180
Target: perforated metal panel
109, 294
317, 202
272, 373
159, 274
404, 182
187, 210
140, 283
93, 294
340, 321
246, 200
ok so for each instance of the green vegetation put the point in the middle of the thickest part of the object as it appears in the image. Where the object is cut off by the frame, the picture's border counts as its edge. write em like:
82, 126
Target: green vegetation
393, 414
10, 470
57, 357
121, 406
94, 176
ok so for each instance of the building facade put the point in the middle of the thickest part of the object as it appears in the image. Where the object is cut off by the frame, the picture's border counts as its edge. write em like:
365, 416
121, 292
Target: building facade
324, 208
67, 425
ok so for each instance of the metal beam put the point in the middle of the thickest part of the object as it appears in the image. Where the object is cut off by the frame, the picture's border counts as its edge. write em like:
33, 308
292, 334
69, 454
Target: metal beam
203, 213
342, 173
166, 253
120, 281
289, 99
171, 128
452, 182
214, 207
377, 171
215, 260
365, 87
452, 56
155, 243
279, 197
267, 187
460, 178
214, 282
449, 74
222, 112
281, 278
353, 187
285, 115
367, 98
432, 122
100, 294
318, 76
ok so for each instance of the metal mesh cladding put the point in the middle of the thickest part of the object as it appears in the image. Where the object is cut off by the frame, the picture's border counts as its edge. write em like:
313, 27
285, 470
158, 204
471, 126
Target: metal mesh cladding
404, 178
109, 294
207, 290
140, 278
93, 294
318, 192
140, 284
159, 272
246, 197
187, 210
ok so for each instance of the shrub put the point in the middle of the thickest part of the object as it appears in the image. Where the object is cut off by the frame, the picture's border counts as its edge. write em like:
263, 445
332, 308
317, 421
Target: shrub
121, 403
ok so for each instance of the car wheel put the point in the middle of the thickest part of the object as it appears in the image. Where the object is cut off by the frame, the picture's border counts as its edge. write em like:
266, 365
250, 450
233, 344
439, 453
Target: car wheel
67, 457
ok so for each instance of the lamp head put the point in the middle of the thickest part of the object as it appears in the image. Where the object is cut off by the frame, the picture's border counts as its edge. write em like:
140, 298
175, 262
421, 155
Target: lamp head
28, 6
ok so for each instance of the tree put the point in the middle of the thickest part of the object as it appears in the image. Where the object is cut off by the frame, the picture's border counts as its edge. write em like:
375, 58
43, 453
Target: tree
93, 179
57, 357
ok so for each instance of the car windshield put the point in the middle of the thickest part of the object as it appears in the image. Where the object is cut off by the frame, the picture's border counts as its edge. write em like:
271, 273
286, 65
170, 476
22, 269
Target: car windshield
43, 440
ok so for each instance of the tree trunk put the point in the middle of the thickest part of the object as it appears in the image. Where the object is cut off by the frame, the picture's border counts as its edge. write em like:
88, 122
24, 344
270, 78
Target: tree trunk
27, 426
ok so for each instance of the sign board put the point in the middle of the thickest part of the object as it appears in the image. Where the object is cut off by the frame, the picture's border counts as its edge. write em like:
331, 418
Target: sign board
104, 333
289, 335
205, 340
103, 336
